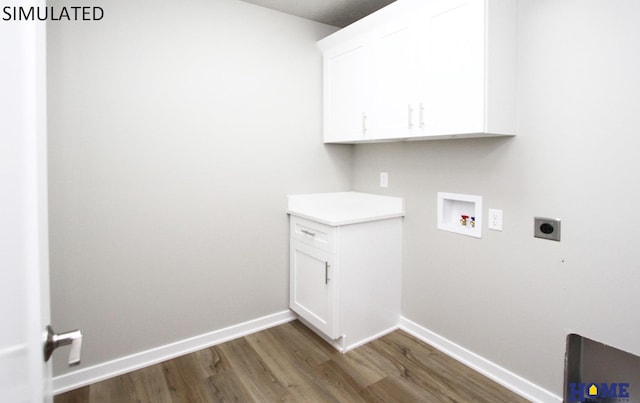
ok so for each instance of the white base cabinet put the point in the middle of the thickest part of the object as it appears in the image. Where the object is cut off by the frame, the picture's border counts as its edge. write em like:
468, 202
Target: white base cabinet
345, 279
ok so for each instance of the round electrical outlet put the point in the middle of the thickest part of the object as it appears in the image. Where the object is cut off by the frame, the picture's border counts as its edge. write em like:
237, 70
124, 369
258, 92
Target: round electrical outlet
546, 228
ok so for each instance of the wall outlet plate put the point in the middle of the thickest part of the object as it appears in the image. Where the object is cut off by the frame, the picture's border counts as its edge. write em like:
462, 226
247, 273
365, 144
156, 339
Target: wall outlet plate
384, 179
495, 219
546, 228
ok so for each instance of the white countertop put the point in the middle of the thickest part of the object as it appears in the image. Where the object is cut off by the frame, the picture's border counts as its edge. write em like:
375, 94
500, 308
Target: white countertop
342, 208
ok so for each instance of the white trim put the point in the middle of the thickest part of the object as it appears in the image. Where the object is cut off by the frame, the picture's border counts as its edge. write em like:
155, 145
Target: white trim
143, 359
100, 372
340, 343
487, 368
368, 339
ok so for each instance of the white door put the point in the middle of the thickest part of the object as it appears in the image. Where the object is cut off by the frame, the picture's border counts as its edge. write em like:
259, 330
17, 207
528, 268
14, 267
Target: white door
452, 66
346, 87
392, 115
24, 280
313, 287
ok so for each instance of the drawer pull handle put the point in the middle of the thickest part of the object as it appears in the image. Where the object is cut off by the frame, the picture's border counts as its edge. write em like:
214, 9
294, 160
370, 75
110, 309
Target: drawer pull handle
304, 231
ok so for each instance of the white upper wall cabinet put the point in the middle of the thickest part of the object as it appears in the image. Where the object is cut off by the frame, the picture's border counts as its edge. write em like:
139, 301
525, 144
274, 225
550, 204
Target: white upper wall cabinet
421, 70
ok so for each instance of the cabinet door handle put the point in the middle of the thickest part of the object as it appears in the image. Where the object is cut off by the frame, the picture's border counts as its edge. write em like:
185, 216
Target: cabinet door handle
364, 123
421, 115
304, 231
410, 117
326, 272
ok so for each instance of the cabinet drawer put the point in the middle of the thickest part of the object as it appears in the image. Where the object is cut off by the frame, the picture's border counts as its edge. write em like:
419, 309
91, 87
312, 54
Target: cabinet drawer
318, 235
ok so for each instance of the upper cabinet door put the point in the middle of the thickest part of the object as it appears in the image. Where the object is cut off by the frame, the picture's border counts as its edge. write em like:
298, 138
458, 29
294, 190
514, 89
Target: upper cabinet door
368, 84
467, 68
393, 65
347, 82
451, 67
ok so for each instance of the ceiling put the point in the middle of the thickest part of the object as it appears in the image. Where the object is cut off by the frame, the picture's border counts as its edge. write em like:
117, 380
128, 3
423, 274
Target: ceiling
339, 13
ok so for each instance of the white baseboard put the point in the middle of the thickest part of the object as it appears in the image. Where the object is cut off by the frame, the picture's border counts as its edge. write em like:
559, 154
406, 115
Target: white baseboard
368, 339
340, 344
100, 372
489, 369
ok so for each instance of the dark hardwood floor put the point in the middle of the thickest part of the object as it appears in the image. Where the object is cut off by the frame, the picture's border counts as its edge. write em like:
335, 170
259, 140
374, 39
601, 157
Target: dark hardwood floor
291, 363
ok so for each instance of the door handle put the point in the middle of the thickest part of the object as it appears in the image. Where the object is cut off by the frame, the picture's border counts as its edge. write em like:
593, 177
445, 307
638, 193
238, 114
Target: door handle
364, 123
55, 340
326, 272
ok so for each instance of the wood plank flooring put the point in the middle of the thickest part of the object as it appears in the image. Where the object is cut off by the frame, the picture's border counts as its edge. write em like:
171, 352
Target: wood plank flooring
290, 363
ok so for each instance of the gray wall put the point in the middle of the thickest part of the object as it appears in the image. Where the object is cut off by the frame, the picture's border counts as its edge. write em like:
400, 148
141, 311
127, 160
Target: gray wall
176, 128
510, 297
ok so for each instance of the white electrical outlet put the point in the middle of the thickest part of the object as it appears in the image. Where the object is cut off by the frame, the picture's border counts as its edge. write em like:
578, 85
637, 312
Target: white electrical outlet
495, 219
384, 180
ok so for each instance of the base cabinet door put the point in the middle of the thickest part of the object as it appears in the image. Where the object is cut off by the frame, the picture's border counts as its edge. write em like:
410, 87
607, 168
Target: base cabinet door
313, 287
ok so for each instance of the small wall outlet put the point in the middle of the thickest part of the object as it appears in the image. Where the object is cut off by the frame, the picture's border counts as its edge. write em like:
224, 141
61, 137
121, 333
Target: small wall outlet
384, 180
495, 219
546, 228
